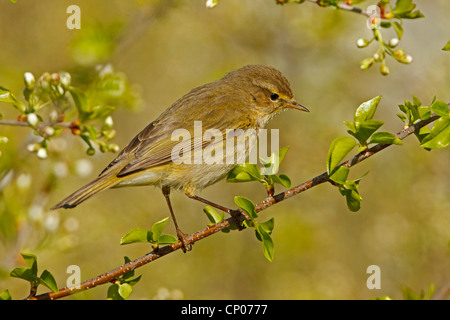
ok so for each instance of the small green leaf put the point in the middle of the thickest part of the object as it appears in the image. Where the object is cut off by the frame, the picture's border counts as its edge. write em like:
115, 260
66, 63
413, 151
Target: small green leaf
446, 47
244, 173
7, 96
398, 29
81, 102
212, 214
365, 129
113, 292
272, 164
439, 136
49, 281
31, 261
157, 229
284, 180
5, 295
385, 138
124, 290
132, 282
340, 174
246, 205
402, 6
353, 199
24, 273
167, 239
268, 225
367, 109
268, 247
339, 148
136, 235
440, 108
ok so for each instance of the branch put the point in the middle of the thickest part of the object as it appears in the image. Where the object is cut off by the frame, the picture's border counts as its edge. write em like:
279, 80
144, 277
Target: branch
210, 230
18, 123
345, 7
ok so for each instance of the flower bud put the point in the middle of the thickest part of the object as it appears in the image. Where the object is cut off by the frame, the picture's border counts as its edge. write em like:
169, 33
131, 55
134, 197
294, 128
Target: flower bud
109, 123
212, 3
66, 79
408, 59
55, 78
49, 131
362, 43
384, 69
90, 151
366, 63
28, 78
42, 153
377, 57
114, 147
33, 147
393, 42
32, 119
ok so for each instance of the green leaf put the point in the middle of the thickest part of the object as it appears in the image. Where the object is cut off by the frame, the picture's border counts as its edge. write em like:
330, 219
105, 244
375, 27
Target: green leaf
81, 102
440, 108
272, 164
339, 148
132, 282
365, 129
353, 199
5, 295
268, 247
246, 205
31, 261
212, 214
439, 136
268, 225
403, 6
340, 175
367, 110
157, 229
423, 133
167, 239
446, 47
125, 290
113, 292
24, 273
49, 281
136, 235
385, 138
7, 96
284, 180
398, 29
244, 173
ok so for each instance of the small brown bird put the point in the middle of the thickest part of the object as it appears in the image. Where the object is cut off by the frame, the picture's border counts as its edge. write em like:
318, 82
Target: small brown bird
246, 98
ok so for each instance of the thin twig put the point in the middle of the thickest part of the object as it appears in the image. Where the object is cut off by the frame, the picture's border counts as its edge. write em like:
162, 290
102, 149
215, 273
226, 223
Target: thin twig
17, 123
210, 230
345, 7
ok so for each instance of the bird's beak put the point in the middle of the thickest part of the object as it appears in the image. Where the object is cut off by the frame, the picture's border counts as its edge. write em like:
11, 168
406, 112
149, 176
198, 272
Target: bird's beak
294, 105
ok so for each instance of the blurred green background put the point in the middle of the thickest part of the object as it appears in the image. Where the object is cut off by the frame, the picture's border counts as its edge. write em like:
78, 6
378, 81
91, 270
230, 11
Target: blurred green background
166, 48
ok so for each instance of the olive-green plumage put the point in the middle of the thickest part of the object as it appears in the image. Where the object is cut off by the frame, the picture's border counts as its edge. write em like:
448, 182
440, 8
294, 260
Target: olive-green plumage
243, 99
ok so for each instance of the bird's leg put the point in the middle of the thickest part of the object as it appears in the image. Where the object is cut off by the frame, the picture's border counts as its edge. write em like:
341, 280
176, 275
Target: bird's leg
181, 236
235, 214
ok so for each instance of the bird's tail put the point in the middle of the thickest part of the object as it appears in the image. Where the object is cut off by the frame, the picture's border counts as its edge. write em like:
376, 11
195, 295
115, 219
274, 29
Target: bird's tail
101, 183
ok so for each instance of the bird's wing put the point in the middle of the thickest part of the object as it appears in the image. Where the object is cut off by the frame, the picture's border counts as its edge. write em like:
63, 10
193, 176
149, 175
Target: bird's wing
153, 146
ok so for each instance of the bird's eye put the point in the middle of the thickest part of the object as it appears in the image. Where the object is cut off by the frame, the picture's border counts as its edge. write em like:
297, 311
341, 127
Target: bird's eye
274, 96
